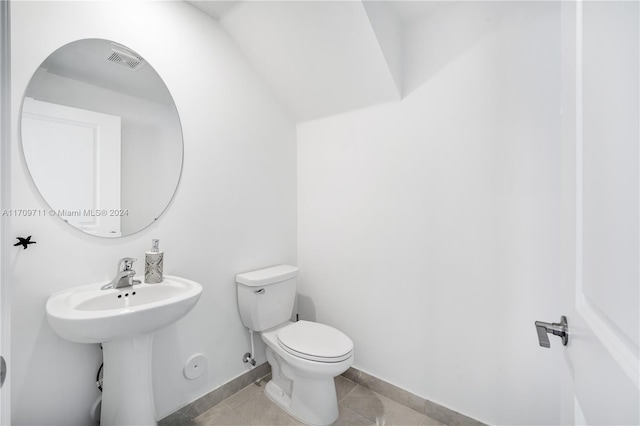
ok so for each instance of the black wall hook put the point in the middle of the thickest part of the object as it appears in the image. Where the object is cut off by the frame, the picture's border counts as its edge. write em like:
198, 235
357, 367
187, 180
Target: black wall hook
24, 242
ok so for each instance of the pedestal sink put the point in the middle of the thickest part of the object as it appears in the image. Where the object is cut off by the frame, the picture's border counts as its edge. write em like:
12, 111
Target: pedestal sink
123, 320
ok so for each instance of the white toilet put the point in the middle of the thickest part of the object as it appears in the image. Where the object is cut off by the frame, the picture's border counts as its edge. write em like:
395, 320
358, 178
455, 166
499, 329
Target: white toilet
304, 356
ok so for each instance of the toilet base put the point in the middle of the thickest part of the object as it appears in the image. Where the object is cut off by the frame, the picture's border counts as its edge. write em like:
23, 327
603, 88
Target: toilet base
305, 404
304, 388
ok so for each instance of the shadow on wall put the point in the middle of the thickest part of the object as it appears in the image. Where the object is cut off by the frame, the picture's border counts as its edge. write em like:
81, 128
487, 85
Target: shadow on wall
433, 42
306, 309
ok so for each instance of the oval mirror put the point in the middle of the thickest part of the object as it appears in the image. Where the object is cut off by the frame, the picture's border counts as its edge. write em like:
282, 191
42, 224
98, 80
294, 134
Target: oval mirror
101, 138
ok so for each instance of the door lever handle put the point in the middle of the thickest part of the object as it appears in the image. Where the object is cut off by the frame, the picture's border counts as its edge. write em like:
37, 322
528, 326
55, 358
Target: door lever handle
557, 328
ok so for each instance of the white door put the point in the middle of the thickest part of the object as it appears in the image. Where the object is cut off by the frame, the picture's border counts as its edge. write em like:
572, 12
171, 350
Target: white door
73, 156
5, 155
601, 232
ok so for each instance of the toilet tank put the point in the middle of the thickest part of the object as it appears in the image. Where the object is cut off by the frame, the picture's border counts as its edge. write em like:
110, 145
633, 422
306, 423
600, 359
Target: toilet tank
266, 296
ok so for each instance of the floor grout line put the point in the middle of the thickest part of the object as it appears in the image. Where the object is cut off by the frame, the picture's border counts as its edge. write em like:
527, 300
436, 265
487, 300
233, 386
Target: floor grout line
351, 391
347, 394
228, 406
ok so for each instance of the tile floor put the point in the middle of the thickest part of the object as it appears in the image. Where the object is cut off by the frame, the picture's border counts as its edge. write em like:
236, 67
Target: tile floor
358, 406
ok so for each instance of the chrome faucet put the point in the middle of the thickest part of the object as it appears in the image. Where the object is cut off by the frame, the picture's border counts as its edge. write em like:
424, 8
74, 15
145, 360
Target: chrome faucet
124, 275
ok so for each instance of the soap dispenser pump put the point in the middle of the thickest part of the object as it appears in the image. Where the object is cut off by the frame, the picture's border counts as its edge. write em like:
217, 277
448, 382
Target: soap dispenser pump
153, 264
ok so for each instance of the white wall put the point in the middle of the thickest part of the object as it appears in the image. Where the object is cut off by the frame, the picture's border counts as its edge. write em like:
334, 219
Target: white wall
428, 229
235, 209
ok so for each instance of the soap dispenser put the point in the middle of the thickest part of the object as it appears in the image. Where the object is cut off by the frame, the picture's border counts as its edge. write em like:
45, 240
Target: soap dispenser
153, 263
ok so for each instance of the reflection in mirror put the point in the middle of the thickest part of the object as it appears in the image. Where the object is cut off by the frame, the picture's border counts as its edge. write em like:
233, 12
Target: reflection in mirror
102, 138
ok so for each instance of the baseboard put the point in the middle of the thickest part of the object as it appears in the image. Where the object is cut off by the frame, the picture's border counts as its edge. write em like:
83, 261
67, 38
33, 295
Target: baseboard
408, 399
186, 414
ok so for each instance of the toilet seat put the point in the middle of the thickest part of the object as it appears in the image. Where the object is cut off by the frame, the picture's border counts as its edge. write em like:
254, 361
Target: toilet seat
315, 342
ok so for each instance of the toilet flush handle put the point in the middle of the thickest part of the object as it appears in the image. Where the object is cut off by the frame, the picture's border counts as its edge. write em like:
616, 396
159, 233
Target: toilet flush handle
261, 291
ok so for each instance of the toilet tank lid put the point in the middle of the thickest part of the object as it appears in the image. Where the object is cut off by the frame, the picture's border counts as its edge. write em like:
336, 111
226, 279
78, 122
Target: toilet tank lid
267, 276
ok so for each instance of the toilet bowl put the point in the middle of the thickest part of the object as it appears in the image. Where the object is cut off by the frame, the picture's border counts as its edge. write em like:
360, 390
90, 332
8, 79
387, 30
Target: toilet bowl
305, 356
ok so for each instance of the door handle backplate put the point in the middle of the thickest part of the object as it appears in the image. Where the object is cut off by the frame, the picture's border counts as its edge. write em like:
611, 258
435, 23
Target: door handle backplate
3, 370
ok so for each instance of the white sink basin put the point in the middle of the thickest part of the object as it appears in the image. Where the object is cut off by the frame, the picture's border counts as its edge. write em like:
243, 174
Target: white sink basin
86, 314
123, 320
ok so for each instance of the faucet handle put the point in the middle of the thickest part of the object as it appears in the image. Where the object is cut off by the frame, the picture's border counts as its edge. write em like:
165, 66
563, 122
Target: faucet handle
126, 264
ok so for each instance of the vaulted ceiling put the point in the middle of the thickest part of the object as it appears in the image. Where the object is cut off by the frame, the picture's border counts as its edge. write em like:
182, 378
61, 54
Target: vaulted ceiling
322, 57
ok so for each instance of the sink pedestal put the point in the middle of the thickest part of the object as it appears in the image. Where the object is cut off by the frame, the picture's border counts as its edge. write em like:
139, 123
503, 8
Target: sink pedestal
123, 320
127, 393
